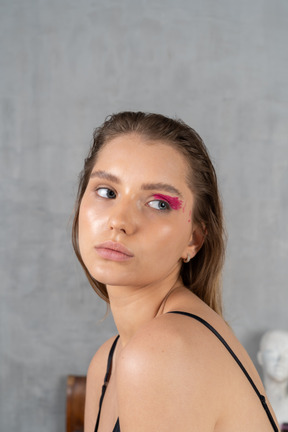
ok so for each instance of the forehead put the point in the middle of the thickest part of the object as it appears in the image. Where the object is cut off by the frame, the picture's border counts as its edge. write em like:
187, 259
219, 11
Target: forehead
135, 153
276, 342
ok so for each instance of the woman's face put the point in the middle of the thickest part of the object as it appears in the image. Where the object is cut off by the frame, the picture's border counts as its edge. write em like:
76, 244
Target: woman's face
135, 220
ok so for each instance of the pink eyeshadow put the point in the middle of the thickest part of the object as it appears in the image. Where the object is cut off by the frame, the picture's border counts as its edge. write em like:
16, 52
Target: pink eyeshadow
174, 202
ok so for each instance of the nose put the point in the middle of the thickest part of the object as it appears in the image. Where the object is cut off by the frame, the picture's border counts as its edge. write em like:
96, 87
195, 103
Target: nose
123, 218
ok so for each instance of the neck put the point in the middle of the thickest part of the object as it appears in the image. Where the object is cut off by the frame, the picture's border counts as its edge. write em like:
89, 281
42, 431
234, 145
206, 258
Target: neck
132, 307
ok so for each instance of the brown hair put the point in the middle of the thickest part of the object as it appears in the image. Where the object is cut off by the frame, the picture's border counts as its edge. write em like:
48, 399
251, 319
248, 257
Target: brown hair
202, 275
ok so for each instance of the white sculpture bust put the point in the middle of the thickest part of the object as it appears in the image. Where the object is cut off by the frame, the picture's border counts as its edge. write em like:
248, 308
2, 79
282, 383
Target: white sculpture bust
273, 357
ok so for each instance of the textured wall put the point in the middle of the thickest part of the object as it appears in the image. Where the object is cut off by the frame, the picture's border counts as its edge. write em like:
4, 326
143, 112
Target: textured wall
66, 64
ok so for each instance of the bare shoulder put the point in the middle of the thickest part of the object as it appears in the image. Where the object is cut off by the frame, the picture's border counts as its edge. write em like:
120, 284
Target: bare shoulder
166, 367
167, 346
177, 366
172, 333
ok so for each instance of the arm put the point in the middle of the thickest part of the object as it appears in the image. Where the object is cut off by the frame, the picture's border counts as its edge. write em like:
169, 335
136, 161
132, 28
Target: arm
95, 379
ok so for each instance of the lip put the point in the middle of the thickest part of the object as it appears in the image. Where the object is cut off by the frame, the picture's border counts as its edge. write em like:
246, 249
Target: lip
114, 251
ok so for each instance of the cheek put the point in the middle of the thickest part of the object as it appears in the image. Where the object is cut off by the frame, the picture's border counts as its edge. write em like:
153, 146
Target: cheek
165, 231
85, 220
171, 236
89, 224
90, 216
82, 229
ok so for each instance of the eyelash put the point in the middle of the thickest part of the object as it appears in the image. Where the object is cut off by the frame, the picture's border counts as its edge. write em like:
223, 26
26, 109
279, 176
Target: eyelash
106, 189
167, 208
161, 202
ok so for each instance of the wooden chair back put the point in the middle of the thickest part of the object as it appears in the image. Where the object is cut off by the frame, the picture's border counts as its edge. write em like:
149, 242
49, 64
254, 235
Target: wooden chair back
75, 402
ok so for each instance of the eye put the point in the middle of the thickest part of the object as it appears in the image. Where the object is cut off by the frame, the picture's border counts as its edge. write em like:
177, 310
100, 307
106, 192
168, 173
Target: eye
106, 193
159, 205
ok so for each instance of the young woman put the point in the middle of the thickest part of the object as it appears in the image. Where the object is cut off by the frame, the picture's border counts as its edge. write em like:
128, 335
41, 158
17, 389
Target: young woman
148, 232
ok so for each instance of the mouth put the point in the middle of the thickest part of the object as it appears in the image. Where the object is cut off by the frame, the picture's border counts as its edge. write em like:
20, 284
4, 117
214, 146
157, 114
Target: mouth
114, 251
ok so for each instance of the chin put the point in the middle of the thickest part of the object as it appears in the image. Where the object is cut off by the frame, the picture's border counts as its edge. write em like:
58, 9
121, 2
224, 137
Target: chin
107, 278
280, 378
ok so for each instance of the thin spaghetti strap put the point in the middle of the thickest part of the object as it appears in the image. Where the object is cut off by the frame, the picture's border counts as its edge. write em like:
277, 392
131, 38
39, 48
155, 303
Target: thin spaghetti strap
106, 379
213, 330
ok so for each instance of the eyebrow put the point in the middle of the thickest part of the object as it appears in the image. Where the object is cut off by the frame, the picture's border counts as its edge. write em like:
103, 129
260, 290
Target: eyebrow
146, 186
162, 186
105, 175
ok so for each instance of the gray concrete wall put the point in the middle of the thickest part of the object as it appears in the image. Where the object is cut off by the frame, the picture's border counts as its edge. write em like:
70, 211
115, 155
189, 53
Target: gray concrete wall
65, 64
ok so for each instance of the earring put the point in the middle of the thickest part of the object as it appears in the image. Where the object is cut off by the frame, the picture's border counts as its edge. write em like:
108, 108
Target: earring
186, 260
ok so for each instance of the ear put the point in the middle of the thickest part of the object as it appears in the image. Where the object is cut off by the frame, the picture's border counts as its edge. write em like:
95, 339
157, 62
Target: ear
196, 241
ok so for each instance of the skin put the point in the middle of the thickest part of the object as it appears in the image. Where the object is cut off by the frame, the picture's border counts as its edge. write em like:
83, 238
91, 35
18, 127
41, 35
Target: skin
169, 372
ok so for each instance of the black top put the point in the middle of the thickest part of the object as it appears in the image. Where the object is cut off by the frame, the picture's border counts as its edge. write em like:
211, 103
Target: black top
106, 381
212, 329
